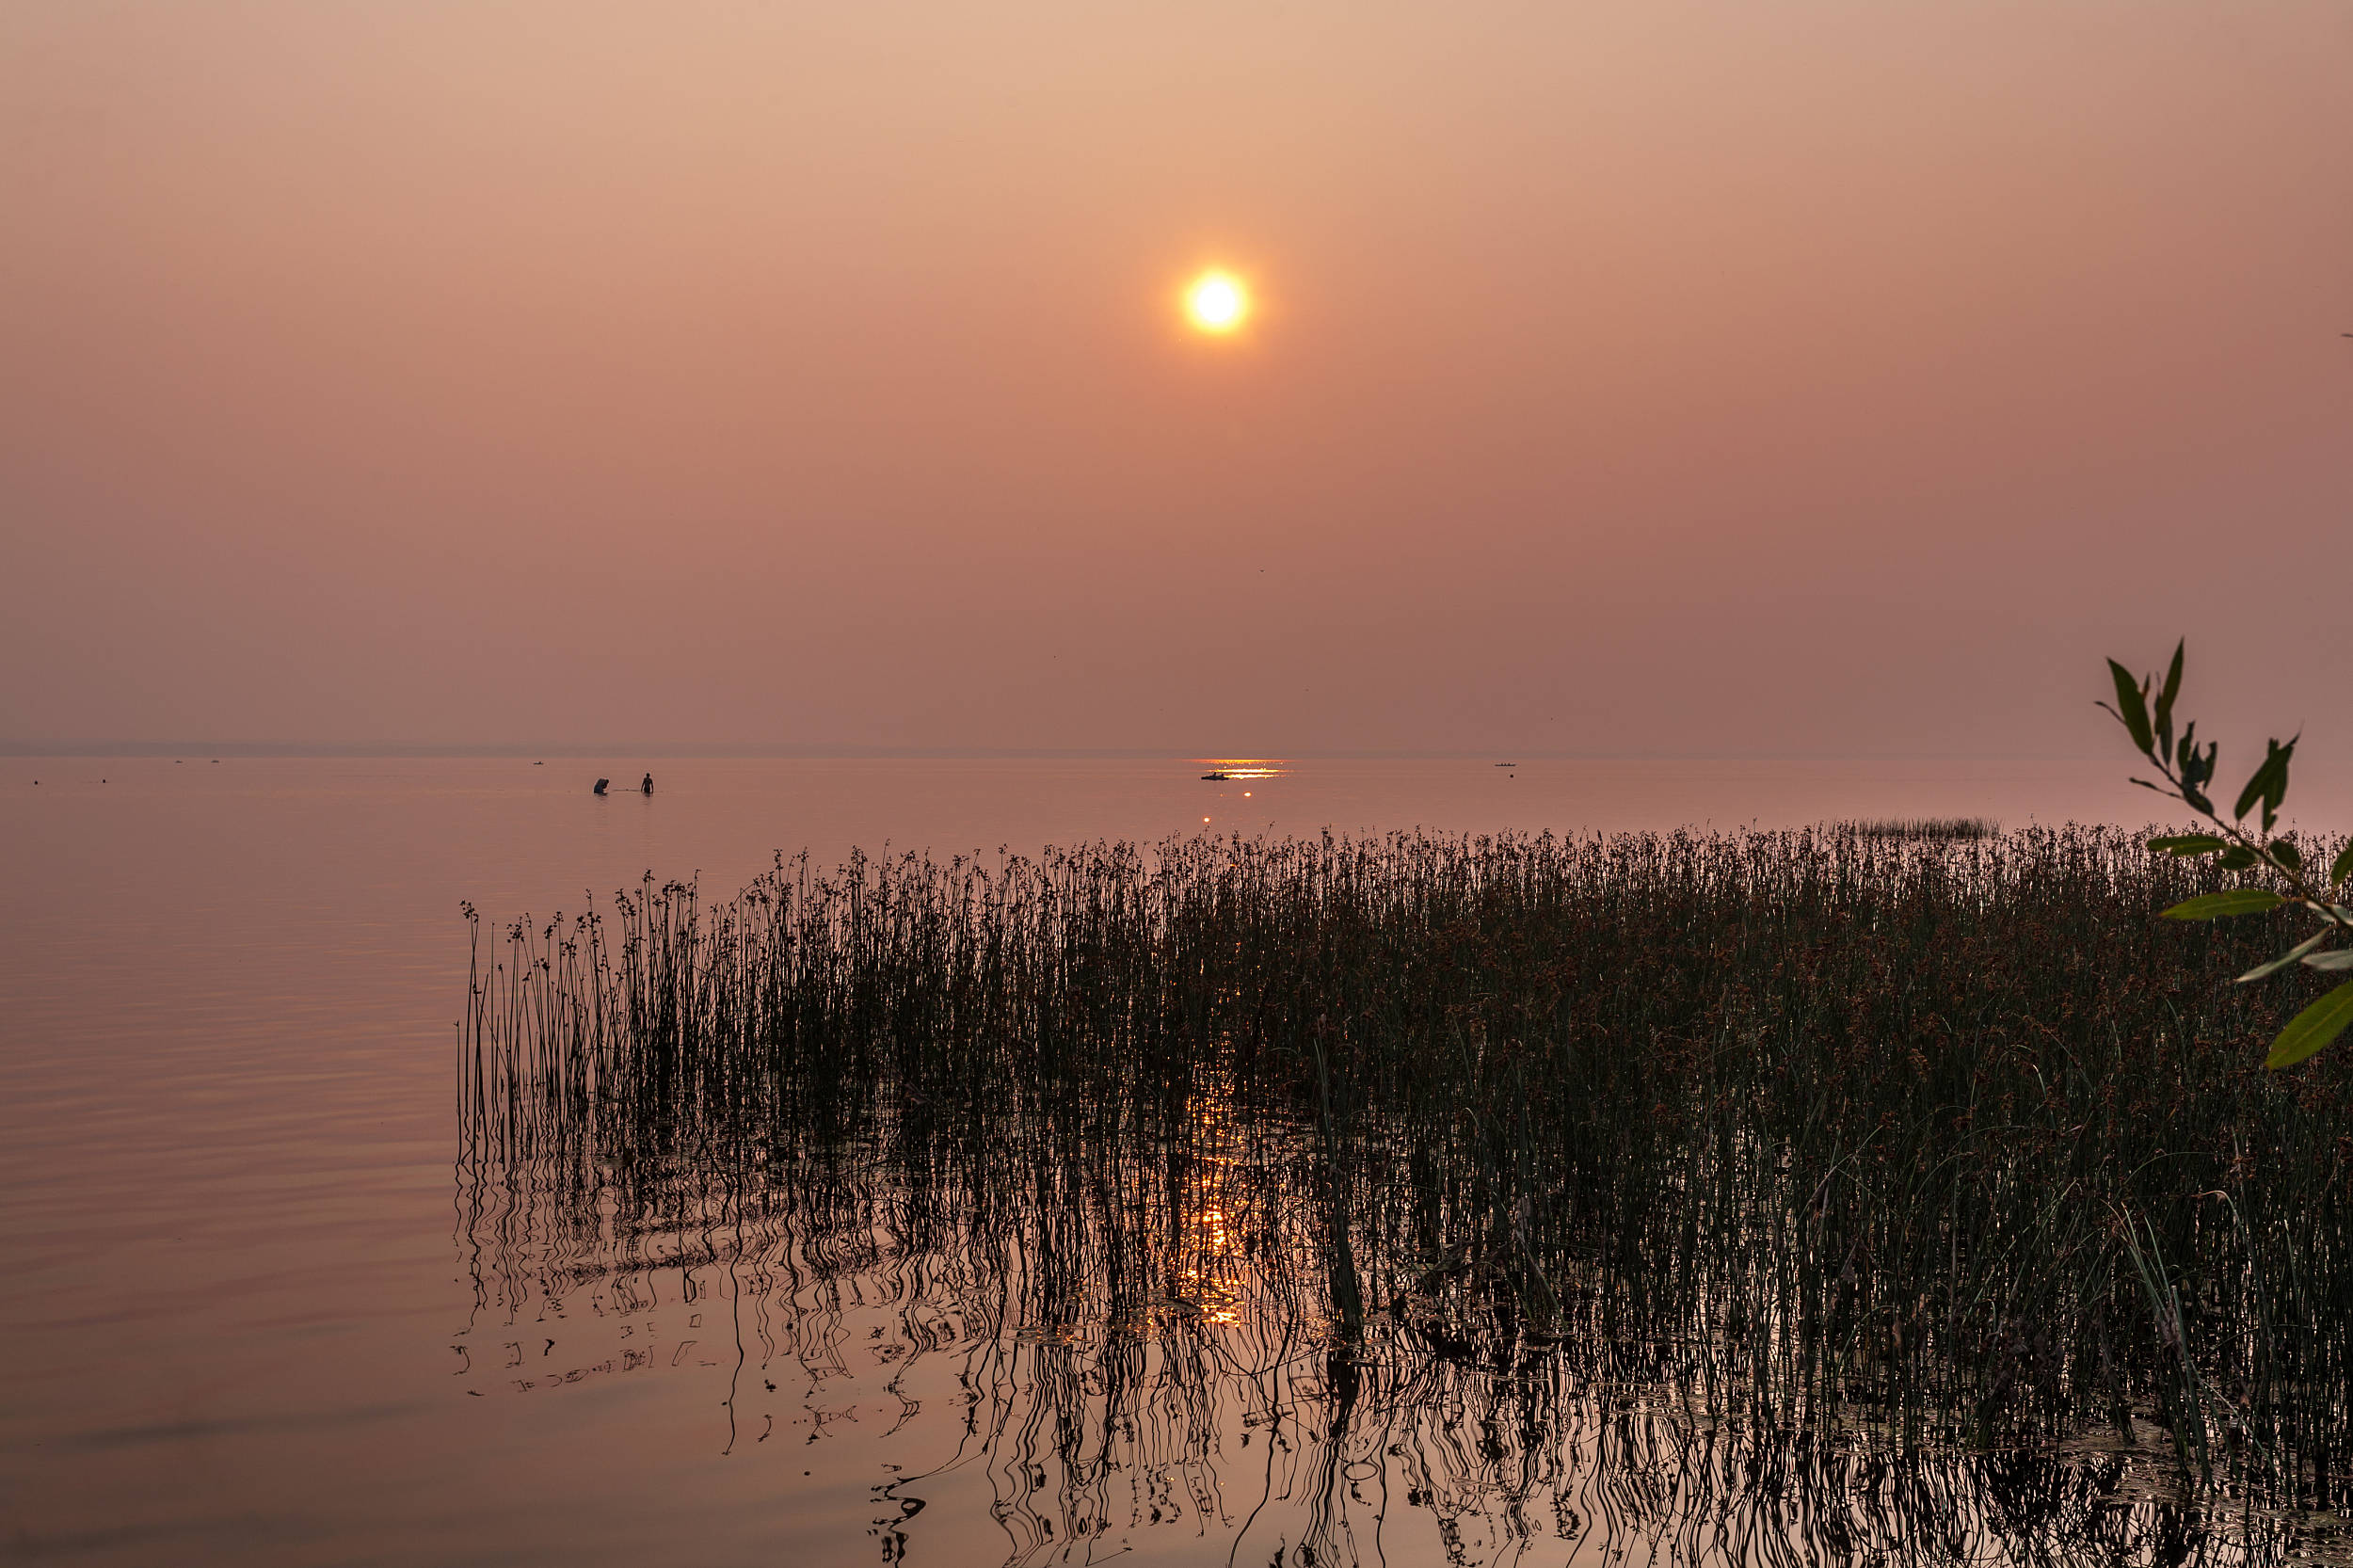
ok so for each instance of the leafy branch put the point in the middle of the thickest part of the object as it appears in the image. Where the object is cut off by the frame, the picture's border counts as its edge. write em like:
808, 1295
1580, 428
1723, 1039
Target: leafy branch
2186, 770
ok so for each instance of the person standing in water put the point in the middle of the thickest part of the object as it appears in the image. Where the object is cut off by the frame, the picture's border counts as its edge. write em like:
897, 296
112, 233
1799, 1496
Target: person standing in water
647, 785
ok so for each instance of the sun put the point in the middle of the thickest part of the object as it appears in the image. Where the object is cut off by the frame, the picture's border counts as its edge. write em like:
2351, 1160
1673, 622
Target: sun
1216, 302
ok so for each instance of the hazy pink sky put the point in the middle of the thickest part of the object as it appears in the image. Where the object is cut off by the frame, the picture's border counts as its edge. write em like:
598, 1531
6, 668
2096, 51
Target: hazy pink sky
1632, 377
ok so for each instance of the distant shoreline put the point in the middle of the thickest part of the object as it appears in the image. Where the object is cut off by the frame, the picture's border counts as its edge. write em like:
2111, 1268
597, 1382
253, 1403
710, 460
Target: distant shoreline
977, 754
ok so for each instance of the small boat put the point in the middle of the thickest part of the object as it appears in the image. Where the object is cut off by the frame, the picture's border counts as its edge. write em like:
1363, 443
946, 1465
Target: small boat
1217, 773
1507, 764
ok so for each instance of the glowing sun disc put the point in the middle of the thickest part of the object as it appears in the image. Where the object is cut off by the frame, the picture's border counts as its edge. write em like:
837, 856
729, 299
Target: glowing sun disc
1216, 302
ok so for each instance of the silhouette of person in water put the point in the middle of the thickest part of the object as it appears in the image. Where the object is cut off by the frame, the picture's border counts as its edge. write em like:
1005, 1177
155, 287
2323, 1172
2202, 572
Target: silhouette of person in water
600, 784
647, 785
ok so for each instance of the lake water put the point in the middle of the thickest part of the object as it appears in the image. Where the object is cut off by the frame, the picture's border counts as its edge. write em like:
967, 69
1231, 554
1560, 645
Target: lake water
255, 1314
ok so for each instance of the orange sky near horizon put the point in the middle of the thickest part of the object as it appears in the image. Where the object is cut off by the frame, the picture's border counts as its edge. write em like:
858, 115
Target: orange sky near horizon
1805, 379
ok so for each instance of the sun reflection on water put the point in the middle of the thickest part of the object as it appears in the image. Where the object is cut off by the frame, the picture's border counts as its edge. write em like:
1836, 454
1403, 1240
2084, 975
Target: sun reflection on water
1206, 1266
1237, 769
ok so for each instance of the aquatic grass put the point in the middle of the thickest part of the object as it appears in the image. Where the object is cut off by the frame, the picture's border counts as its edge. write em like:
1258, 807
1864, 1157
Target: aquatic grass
1938, 1143
1929, 827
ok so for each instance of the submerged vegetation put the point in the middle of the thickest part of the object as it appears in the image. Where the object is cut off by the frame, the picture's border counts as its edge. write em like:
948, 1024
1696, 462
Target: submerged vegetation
1864, 1146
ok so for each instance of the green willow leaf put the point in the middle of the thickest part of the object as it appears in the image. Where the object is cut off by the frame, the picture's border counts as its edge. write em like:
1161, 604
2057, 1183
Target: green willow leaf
2194, 766
2314, 1027
2214, 907
2291, 956
2286, 854
2172, 689
2343, 866
2327, 963
2253, 792
2268, 783
2237, 858
2131, 705
2188, 844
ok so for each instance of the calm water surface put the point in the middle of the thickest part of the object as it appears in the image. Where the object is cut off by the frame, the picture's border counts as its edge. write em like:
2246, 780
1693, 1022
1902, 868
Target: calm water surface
256, 1316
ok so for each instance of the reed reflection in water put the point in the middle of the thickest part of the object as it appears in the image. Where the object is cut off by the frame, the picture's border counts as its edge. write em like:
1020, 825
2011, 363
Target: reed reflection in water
1131, 1350
1132, 1236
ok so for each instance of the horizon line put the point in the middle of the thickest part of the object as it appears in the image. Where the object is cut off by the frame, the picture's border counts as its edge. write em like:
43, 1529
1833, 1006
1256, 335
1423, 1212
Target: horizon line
772, 752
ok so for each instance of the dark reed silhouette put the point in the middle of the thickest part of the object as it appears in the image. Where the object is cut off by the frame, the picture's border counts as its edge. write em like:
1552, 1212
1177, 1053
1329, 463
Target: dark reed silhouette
1905, 1192
1930, 828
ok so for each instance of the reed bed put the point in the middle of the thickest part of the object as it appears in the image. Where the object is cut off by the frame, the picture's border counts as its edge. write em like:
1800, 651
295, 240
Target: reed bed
1912, 1144
1929, 827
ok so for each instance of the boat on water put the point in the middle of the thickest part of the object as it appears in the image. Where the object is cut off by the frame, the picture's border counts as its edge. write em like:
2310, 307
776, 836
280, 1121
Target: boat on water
1217, 773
